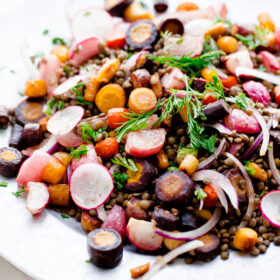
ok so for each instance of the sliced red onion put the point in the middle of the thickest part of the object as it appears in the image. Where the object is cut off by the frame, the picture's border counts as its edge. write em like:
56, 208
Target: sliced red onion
192, 245
221, 128
265, 131
269, 207
234, 148
192, 234
272, 165
241, 71
101, 213
250, 189
220, 184
208, 161
254, 146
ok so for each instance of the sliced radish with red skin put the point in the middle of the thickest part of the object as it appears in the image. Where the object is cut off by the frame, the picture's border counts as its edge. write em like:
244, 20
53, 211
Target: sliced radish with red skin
90, 156
92, 22
145, 143
257, 92
172, 79
238, 59
63, 121
68, 84
50, 71
142, 234
269, 207
32, 168
83, 50
38, 197
70, 139
270, 61
277, 35
91, 185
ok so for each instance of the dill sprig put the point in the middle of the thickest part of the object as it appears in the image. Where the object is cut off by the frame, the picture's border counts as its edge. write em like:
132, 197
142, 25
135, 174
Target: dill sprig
215, 88
209, 45
120, 179
256, 39
186, 62
52, 105
3, 184
88, 133
134, 122
80, 151
127, 163
19, 192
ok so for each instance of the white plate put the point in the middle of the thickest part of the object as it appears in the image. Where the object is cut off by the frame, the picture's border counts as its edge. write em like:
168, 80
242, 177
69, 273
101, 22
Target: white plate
44, 247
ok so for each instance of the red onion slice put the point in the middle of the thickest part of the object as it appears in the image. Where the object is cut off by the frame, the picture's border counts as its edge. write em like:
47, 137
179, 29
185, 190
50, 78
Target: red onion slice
250, 191
192, 245
220, 184
243, 71
272, 164
208, 161
265, 131
254, 146
192, 234
221, 128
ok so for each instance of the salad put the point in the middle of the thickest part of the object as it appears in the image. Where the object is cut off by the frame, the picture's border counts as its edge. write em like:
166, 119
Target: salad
154, 129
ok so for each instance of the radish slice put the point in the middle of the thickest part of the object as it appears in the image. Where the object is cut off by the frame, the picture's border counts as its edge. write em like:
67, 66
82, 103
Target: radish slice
173, 79
70, 139
208, 161
265, 131
83, 50
218, 181
192, 245
142, 235
244, 71
62, 122
272, 164
92, 22
145, 143
101, 213
269, 207
90, 156
250, 189
37, 198
192, 234
91, 185
32, 168
68, 84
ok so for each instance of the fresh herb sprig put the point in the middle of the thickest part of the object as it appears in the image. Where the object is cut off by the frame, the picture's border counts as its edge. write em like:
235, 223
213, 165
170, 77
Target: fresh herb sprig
244, 102
58, 41
186, 62
18, 192
215, 87
3, 184
200, 194
256, 39
52, 104
249, 168
127, 163
80, 151
80, 96
172, 166
63, 216
209, 45
183, 151
88, 133
120, 179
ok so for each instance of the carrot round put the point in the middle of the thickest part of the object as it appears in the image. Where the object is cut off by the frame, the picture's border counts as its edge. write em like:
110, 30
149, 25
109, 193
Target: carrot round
53, 172
142, 100
116, 117
35, 88
110, 96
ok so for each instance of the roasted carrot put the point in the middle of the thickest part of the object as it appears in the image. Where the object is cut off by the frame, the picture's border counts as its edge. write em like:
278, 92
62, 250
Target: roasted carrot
139, 270
91, 89
89, 223
212, 196
54, 171
61, 52
230, 81
116, 117
187, 6
35, 88
108, 70
107, 148
59, 194
63, 157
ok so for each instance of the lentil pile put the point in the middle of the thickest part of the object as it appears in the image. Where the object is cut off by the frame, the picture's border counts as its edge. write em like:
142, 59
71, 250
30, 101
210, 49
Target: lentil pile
169, 114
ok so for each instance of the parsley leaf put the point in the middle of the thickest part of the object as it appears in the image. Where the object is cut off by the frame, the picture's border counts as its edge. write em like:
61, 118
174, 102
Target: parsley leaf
88, 13
63, 216
200, 194
3, 184
127, 163
18, 192
120, 179
20, 93
80, 151
50, 106
243, 102
58, 41
172, 166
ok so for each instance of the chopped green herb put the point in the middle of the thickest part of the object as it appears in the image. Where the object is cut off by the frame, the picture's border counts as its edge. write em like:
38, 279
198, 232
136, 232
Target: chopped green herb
243, 102
263, 193
46, 32
120, 179
101, 55
165, 35
88, 132
217, 19
269, 147
215, 88
172, 166
66, 70
88, 13
258, 38
183, 151
3, 184
186, 62
200, 194
50, 107
18, 192
78, 48
209, 45
121, 148
63, 216
80, 97
58, 41
80, 151
13, 71
249, 169
143, 5
88, 261
60, 105
20, 93
262, 68
39, 54
127, 163
130, 54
